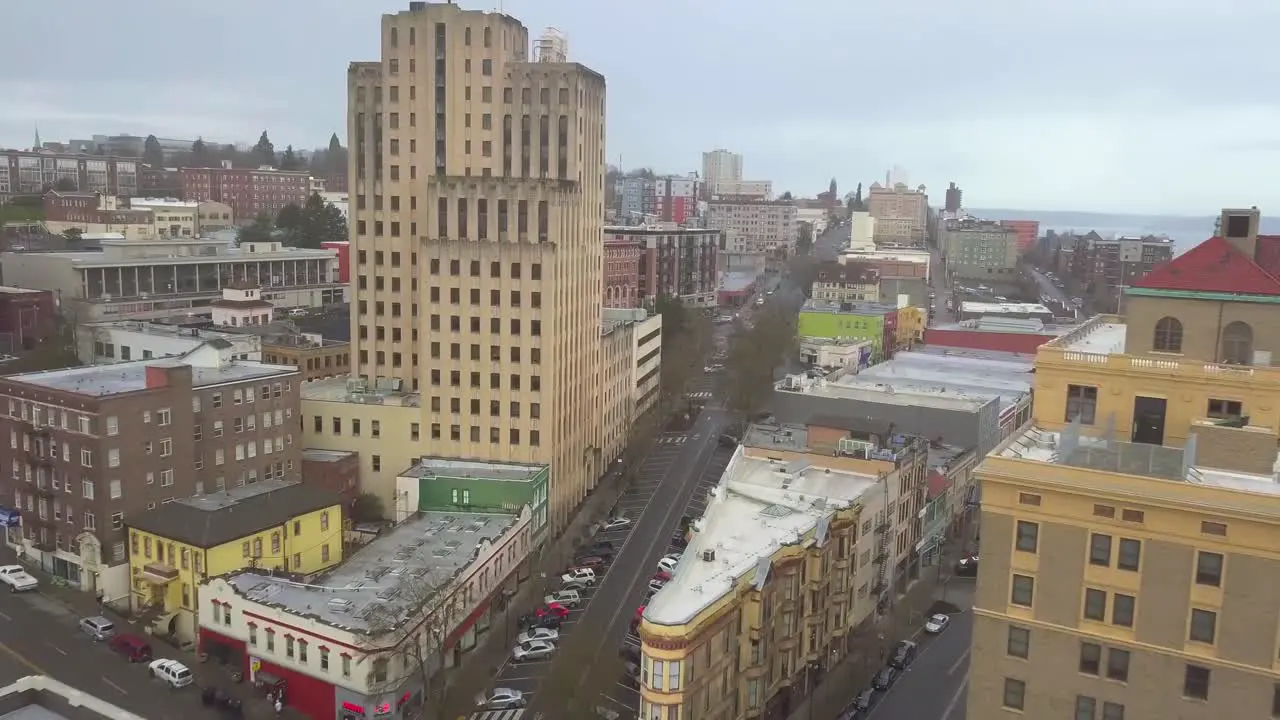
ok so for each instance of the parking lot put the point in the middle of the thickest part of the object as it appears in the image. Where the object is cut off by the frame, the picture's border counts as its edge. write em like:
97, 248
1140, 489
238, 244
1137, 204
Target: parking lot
622, 697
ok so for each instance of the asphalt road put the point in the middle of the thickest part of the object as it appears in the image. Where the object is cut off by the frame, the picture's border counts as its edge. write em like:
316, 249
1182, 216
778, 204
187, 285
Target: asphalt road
1047, 287
935, 686
40, 637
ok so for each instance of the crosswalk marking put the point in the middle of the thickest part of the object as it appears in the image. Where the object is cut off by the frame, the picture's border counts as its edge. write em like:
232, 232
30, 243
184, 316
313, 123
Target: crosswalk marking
699, 395
514, 714
674, 440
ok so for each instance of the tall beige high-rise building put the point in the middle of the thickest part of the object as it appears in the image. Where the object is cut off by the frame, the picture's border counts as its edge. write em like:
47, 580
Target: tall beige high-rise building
720, 166
477, 188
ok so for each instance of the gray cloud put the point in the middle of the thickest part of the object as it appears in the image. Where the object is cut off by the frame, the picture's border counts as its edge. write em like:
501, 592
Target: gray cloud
1149, 105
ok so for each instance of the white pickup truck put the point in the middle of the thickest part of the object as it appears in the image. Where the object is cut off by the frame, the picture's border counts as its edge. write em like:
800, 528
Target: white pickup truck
17, 578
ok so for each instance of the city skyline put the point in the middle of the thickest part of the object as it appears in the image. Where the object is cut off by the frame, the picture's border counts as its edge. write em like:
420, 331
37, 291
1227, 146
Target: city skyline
996, 125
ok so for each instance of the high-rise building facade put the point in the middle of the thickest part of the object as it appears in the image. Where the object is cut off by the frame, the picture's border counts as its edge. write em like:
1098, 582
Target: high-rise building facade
955, 198
720, 166
477, 181
901, 214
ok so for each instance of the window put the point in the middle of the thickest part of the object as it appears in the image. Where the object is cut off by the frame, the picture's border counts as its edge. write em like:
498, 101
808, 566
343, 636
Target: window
1105, 511
1208, 527
1015, 692
1086, 707
1082, 404
1023, 591
1028, 535
1090, 658
1195, 684
1204, 625
1019, 643
1100, 550
1112, 711
1209, 569
1168, 335
1237, 344
1122, 607
1275, 700
1224, 409
1095, 604
1029, 499
1118, 664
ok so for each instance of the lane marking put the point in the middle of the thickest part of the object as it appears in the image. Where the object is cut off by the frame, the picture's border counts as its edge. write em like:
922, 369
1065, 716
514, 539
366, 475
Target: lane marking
959, 661
55, 647
107, 680
22, 659
6, 617
955, 699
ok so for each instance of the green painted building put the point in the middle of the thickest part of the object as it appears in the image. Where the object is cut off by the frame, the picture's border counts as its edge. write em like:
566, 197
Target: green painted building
874, 323
446, 484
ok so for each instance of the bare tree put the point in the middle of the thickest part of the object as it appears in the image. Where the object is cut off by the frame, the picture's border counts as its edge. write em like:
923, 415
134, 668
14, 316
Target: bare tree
409, 628
755, 356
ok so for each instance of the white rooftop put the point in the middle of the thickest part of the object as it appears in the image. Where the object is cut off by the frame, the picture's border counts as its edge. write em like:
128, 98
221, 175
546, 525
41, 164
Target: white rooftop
433, 467
1009, 308
758, 507
898, 254
126, 377
391, 577
956, 375
354, 390
149, 202
850, 387
1100, 338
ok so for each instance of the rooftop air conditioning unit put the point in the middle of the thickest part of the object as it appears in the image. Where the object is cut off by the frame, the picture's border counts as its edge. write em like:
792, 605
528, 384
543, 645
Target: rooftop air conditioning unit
709, 555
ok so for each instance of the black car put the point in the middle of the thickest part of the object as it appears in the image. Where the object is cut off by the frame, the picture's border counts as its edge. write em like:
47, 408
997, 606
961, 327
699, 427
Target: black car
532, 621
729, 441
604, 547
903, 653
967, 567
884, 678
858, 706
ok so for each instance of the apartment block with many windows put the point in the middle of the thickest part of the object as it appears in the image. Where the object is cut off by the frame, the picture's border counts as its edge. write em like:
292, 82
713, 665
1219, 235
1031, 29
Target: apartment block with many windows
88, 446
477, 192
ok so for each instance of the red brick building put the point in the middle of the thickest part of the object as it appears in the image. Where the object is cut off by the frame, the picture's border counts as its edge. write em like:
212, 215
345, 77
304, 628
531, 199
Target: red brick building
622, 271
334, 470
674, 262
91, 208
248, 191
27, 319
1026, 233
32, 173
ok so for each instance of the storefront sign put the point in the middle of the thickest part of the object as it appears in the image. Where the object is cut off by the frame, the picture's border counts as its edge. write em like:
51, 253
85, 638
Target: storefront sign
352, 707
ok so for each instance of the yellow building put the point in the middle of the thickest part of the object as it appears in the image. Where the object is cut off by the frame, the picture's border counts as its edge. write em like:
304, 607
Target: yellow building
1129, 534
289, 527
911, 323
1199, 339
787, 558
487, 243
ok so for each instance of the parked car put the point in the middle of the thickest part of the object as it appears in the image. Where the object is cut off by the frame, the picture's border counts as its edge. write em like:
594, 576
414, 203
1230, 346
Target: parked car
583, 576
535, 650
552, 609
656, 585
97, 627
884, 678
669, 563
858, 706
967, 566
937, 623
223, 700
589, 561
501, 699
17, 578
547, 634
132, 647
617, 523
903, 653
662, 576
603, 548
532, 620
567, 598
173, 673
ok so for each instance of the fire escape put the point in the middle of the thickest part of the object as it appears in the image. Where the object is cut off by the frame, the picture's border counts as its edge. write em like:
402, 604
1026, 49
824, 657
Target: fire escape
881, 560
37, 457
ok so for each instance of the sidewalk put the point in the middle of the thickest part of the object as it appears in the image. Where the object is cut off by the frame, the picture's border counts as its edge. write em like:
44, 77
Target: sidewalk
869, 648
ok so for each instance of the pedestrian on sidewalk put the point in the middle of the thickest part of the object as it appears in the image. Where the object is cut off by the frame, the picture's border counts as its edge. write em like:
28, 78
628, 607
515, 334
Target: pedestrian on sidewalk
279, 705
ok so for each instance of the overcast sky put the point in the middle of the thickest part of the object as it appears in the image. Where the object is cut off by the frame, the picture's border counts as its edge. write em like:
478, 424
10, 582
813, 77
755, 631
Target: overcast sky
1141, 105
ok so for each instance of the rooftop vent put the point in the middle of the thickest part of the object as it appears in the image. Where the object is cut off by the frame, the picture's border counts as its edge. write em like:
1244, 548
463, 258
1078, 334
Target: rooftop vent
340, 605
709, 555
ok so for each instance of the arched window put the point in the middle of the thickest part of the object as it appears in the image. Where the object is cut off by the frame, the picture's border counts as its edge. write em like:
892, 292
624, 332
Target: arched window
1237, 344
1168, 336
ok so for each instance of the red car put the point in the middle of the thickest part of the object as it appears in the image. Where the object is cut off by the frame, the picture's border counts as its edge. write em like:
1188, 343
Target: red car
635, 621
555, 609
590, 561
662, 576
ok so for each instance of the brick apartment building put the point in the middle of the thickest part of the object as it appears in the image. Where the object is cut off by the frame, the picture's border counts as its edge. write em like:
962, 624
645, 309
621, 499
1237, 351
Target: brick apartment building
28, 319
248, 191
622, 271
91, 208
673, 262
89, 445
33, 173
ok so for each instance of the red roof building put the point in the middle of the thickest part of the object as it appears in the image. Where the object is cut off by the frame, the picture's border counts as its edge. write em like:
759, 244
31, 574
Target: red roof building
1218, 266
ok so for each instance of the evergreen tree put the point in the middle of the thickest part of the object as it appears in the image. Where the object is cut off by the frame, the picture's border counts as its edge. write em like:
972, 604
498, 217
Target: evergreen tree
335, 146
152, 153
200, 156
261, 230
264, 153
289, 160
786, 196
290, 222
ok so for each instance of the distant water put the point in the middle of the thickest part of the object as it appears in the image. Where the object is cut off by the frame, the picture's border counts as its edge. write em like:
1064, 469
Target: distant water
1187, 231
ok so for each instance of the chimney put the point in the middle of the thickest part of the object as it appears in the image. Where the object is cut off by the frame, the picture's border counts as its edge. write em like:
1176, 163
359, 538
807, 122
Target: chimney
1240, 228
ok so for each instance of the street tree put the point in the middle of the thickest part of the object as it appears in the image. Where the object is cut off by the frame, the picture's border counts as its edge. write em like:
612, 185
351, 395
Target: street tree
368, 507
804, 239
289, 160
264, 153
262, 229
322, 223
152, 153
754, 357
